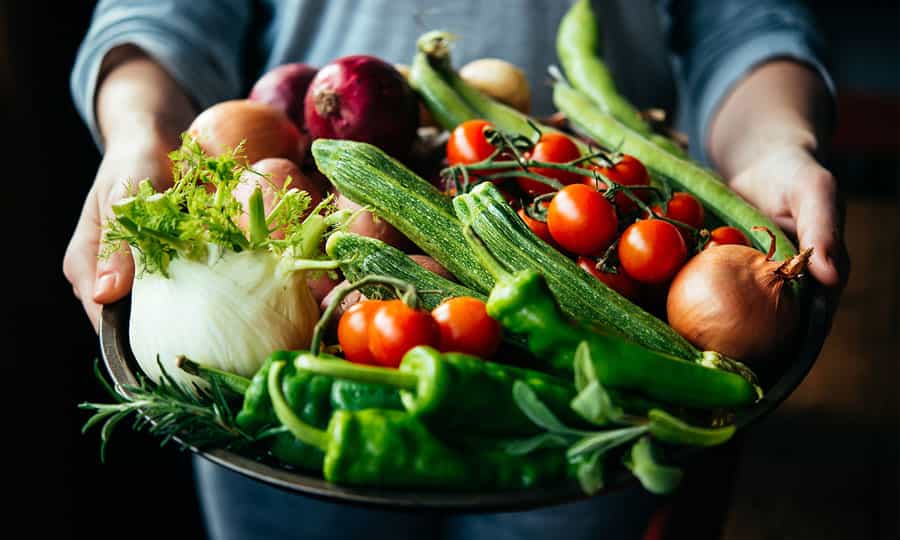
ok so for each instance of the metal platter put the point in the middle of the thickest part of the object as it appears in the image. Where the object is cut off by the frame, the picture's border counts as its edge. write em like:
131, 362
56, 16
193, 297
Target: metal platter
122, 367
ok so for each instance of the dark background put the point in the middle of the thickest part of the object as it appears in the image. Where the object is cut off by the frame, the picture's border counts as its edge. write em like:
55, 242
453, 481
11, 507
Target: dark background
60, 488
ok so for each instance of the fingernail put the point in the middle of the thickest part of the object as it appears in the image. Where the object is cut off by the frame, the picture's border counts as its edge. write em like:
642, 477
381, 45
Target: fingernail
104, 286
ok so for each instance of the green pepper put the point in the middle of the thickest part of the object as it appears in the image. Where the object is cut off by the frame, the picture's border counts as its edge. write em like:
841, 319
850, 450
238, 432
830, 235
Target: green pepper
389, 448
313, 397
457, 391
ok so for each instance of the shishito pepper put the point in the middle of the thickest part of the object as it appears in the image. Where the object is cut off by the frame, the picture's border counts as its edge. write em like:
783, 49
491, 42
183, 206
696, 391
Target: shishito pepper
388, 448
523, 304
314, 398
457, 391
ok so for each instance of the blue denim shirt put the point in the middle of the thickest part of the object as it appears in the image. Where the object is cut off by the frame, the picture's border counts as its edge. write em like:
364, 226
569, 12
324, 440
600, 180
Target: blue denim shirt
216, 50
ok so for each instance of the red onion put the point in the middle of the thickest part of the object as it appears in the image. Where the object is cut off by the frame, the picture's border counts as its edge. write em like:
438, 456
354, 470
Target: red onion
284, 88
362, 98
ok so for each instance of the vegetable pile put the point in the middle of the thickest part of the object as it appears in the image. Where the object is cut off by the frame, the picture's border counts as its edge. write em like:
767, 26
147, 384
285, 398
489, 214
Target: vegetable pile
525, 303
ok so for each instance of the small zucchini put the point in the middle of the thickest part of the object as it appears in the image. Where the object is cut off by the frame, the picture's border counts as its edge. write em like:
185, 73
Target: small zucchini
580, 295
369, 177
360, 256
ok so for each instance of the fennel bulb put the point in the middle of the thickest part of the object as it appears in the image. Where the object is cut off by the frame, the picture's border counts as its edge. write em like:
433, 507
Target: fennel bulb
205, 287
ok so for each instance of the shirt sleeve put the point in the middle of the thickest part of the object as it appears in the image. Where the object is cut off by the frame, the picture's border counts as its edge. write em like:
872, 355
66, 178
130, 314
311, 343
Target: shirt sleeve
718, 42
200, 44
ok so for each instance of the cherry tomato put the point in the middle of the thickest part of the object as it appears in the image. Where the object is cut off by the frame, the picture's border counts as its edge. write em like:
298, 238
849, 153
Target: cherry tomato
551, 148
685, 208
581, 220
652, 250
539, 228
465, 327
353, 331
727, 235
397, 328
619, 282
627, 171
467, 143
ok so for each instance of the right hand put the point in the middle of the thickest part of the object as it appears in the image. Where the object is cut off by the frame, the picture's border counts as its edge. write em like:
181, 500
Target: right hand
96, 282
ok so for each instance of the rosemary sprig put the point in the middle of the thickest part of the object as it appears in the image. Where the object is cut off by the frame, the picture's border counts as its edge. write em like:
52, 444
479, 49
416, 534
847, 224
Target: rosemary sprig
198, 417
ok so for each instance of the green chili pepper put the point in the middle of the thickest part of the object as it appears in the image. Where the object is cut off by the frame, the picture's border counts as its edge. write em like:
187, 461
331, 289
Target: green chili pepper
454, 390
523, 304
387, 448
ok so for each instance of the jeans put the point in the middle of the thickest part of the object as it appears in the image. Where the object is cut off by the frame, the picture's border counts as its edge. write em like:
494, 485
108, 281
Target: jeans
240, 508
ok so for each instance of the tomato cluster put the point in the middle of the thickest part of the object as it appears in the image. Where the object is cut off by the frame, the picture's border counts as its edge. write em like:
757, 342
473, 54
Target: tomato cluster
631, 241
380, 332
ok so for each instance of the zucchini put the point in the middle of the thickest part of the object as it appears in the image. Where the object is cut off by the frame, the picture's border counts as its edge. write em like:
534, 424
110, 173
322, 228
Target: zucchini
360, 256
579, 295
368, 176
687, 175
447, 108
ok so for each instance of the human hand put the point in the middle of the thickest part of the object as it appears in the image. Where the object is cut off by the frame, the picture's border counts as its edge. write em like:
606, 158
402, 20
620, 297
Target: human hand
96, 282
790, 186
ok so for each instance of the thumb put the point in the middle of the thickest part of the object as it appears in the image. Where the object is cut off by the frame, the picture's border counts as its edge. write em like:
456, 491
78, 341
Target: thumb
115, 273
816, 214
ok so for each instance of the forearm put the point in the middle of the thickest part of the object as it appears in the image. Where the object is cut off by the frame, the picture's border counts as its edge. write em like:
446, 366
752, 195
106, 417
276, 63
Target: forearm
781, 103
138, 102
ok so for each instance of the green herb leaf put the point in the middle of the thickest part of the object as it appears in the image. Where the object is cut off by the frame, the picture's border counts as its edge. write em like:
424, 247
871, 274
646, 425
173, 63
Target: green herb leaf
670, 429
521, 447
529, 403
654, 476
595, 405
603, 441
590, 473
585, 372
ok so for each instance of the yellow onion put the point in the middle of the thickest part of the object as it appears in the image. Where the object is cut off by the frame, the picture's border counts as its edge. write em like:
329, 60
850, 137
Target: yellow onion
500, 80
732, 299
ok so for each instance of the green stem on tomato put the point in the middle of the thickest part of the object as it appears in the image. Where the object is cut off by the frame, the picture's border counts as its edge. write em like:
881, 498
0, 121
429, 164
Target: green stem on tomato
403, 289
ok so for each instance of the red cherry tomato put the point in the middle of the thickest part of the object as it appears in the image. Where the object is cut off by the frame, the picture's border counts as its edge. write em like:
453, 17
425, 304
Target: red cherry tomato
353, 331
397, 328
551, 148
685, 208
581, 220
727, 235
619, 282
467, 143
627, 171
652, 250
465, 327
539, 228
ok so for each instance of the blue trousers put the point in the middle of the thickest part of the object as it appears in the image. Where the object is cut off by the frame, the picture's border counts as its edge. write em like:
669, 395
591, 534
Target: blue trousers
239, 508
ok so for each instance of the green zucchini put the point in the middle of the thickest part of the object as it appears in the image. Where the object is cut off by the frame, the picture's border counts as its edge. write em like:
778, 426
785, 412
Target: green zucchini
687, 175
447, 108
580, 295
360, 256
369, 177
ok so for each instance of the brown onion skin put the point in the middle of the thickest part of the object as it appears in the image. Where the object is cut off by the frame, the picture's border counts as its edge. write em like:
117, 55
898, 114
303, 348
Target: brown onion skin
729, 299
284, 87
267, 132
362, 98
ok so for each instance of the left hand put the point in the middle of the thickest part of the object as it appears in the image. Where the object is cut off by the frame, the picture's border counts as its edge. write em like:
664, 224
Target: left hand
789, 185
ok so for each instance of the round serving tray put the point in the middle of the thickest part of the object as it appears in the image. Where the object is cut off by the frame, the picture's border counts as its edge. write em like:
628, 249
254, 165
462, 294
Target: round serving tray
122, 367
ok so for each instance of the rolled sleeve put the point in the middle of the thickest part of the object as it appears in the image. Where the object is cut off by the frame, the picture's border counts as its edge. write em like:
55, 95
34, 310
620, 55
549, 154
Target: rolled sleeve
200, 44
717, 43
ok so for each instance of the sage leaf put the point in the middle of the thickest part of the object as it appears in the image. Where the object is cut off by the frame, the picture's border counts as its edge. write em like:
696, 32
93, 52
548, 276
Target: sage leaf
590, 473
585, 372
537, 412
669, 429
521, 447
654, 476
595, 405
603, 441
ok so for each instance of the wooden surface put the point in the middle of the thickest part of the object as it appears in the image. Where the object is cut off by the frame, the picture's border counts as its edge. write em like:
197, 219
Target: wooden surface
825, 464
